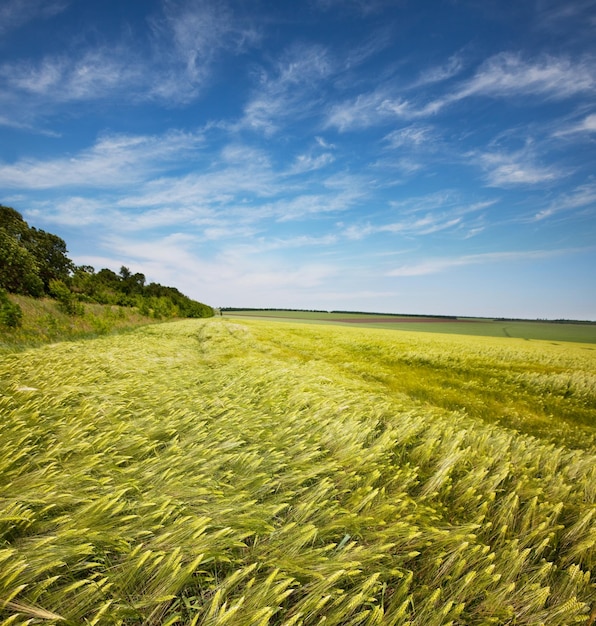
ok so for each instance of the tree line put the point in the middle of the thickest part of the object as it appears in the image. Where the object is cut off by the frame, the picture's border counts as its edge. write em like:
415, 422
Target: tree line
35, 263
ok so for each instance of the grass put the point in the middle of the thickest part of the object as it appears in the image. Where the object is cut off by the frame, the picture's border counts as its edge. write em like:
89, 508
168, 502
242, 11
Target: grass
214, 472
579, 332
44, 322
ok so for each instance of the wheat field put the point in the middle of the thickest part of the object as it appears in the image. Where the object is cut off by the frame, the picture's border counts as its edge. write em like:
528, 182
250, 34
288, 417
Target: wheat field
255, 473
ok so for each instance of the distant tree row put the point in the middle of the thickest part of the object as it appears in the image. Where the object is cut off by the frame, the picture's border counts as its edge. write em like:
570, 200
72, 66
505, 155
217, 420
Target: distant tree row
35, 263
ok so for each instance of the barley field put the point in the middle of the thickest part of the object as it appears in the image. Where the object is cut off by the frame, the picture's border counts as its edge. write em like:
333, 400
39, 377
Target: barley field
260, 473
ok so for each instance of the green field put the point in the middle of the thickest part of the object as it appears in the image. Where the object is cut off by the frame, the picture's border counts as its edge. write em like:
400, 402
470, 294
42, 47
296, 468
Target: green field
250, 472
582, 332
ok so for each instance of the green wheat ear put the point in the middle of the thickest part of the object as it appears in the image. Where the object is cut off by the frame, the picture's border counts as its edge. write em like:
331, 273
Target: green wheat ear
203, 472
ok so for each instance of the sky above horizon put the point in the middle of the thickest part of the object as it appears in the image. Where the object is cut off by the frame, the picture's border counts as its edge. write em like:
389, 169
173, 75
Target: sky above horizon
382, 155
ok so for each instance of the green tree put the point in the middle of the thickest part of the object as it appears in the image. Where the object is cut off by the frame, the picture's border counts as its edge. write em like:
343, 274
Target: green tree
19, 272
66, 298
29, 257
49, 252
82, 281
131, 283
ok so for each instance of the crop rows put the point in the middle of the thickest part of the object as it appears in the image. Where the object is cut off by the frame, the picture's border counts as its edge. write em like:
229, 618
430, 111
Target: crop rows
205, 472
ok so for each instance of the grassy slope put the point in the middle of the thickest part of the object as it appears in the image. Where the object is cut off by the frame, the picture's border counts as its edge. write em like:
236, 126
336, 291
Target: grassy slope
209, 472
44, 322
529, 330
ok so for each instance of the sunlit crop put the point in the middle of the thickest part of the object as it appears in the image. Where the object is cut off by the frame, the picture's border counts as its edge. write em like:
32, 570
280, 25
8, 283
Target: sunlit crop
209, 472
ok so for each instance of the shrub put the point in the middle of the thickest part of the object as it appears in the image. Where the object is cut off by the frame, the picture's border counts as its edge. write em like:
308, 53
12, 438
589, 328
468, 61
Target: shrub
66, 298
11, 314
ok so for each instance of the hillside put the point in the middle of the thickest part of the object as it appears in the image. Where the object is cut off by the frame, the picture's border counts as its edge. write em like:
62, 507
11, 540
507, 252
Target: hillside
43, 320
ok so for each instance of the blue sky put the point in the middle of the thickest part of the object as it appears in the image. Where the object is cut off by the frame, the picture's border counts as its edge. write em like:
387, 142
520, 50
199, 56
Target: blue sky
395, 156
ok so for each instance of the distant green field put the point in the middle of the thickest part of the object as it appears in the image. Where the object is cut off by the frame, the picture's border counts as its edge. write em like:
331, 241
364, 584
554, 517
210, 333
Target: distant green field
244, 472
548, 331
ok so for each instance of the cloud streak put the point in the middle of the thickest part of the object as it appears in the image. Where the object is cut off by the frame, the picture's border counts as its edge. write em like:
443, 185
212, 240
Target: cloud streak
504, 75
289, 90
172, 64
114, 161
439, 265
515, 168
16, 13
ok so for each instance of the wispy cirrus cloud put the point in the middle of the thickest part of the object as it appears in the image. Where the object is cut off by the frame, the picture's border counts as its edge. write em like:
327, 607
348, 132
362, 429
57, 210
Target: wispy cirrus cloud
582, 197
579, 16
310, 162
508, 74
360, 6
425, 216
515, 168
136, 182
172, 62
188, 37
245, 273
376, 108
261, 245
438, 74
415, 135
305, 205
94, 75
504, 75
114, 160
16, 13
422, 226
289, 91
583, 127
439, 265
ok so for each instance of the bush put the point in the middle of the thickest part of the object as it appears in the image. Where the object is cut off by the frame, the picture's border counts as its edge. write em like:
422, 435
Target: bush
66, 298
11, 314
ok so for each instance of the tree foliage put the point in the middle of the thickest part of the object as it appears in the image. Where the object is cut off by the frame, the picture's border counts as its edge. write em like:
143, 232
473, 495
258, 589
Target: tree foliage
10, 312
35, 263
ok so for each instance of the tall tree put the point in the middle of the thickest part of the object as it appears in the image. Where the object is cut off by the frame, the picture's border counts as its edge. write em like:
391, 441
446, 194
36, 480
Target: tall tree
19, 273
19, 270
50, 253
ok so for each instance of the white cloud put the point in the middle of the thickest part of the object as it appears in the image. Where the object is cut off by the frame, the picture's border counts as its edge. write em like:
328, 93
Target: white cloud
504, 75
509, 169
305, 205
585, 126
324, 144
141, 187
177, 259
578, 15
115, 160
93, 75
441, 212
406, 165
411, 136
308, 162
441, 73
375, 108
580, 198
73, 211
20, 125
446, 200
426, 225
16, 13
438, 265
173, 63
262, 245
290, 91
189, 36
507, 74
